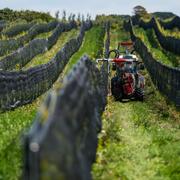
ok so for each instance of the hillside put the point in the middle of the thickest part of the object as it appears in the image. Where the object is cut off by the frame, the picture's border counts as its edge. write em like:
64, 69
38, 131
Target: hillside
11, 15
65, 115
164, 15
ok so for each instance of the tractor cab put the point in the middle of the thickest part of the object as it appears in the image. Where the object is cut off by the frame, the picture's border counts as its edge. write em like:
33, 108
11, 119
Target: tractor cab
124, 51
124, 65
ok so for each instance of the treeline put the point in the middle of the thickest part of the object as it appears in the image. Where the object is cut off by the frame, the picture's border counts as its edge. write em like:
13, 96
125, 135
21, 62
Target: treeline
113, 18
11, 15
163, 15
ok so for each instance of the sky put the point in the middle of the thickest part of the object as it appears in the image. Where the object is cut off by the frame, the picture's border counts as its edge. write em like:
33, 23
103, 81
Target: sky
92, 7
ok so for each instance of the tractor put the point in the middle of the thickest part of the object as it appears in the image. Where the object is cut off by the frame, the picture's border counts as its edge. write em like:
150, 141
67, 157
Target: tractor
127, 82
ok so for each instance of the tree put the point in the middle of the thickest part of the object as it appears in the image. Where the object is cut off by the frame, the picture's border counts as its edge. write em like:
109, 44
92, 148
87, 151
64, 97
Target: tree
70, 17
82, 18
88, 17
140, 11
57, 14
79, 17
64, 16
73, 17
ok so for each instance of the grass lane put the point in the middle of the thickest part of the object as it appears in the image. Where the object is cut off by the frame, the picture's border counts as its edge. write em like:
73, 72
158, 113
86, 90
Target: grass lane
92, 46
139, 140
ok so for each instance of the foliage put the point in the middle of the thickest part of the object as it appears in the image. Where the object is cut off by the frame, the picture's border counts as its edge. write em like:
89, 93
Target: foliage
10, 15
140, 11
114, 19
163, 15
11, 125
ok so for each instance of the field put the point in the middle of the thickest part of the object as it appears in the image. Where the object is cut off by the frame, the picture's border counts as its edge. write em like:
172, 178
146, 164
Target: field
138, 140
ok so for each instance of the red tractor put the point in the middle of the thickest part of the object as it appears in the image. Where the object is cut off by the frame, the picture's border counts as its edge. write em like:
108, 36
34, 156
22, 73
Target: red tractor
127, 82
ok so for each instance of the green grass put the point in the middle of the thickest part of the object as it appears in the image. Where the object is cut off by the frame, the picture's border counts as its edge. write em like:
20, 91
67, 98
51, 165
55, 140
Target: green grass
139, 140
11, 125
45, 57
173, 33
44, 35
117, 37
3, 37
151, 41
92, 46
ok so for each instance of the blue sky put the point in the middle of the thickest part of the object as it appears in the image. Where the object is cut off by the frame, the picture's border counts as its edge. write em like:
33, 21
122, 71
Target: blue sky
93, 6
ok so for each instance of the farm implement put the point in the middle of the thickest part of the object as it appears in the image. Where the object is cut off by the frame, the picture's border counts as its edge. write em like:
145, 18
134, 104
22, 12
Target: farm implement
127, 82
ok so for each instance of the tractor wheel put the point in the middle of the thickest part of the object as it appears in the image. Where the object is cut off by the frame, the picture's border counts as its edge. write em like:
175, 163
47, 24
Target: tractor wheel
139, 94
116, 89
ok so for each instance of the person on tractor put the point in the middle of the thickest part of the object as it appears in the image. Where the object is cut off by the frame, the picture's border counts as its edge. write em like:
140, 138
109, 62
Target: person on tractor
127, 81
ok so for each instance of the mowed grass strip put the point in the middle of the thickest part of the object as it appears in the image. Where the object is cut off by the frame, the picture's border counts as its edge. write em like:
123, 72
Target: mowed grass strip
139, 140
116, 37
92, 46
48, 55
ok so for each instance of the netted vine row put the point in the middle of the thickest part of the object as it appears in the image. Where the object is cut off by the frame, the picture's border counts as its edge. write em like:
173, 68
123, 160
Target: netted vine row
174, 23
2, 25
70, 127
7, 46
166, 79
17, 29
22, 87
37, 46
167, 42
